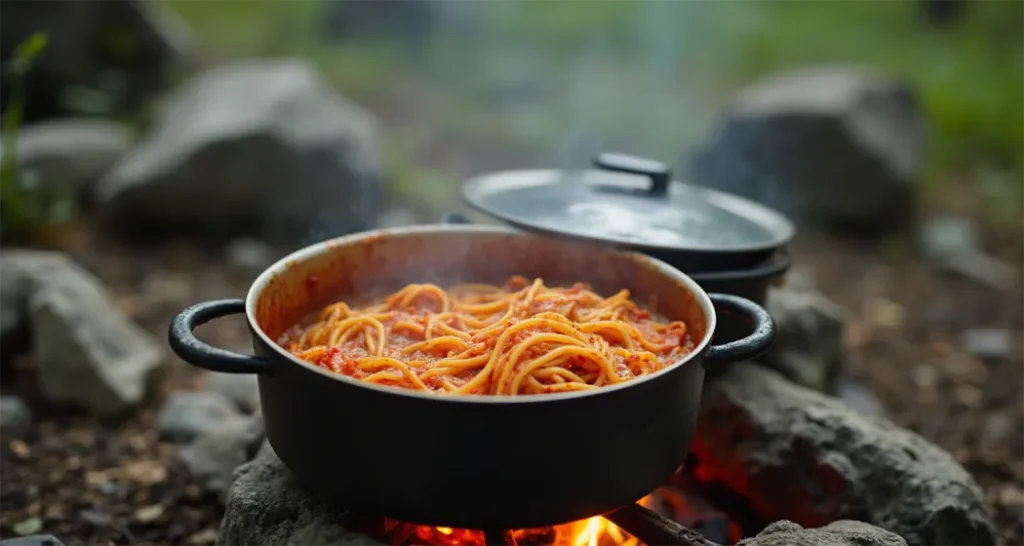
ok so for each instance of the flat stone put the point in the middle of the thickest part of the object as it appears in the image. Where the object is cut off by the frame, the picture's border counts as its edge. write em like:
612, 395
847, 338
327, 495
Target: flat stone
982, 269
71, 154
215, 454
32, 540
839, 533
242, 390
810, 341
267, 507
15, 417
799, 455
186, 415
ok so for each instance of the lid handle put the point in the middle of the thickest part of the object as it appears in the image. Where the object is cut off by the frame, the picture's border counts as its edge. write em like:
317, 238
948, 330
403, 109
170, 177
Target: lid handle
659, 173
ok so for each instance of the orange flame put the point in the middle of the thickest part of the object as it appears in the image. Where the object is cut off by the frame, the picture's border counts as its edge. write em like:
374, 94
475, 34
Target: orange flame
595, 531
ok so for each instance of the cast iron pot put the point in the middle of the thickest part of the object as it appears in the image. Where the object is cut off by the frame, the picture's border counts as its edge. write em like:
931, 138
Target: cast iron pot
469, 461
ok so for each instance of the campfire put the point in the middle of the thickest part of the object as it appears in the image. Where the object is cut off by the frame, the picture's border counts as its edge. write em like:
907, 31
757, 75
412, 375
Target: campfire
651, 519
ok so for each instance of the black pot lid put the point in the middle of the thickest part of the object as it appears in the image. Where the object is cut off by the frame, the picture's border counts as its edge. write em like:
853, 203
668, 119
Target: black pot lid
629, 202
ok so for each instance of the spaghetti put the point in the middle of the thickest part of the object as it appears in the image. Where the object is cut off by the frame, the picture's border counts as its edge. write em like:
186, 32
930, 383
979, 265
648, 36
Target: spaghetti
523, 338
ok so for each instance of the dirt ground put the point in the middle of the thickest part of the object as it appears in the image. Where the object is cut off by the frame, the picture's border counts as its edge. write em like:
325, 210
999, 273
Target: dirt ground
102, 483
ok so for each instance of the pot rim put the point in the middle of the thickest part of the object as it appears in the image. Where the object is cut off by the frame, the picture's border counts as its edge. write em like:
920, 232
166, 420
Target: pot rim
282, 266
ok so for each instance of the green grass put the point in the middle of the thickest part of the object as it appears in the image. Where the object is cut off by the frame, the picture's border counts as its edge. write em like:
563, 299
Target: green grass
970, 77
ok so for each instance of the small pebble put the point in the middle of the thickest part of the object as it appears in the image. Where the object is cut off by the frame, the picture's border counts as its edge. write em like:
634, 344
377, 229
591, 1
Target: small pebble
987, 343
997, 429
185, 415
1012, 495
947, 236
968, 395
924, 376
15, 417
860, 397
885, 313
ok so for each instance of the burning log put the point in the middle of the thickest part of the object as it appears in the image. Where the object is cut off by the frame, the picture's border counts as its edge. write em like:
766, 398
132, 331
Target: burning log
653, 528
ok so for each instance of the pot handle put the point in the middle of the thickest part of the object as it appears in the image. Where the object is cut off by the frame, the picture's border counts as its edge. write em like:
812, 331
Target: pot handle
186, 345
747, 348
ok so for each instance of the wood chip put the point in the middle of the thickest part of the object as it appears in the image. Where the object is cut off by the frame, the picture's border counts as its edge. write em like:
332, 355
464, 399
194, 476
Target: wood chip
206, 536
29, 526
20, 449
149, 513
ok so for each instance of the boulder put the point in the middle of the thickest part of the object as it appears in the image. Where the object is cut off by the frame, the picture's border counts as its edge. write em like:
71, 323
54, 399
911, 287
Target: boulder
836, 146
267, 507
242, 390
86, 353
799, 455
262, 147
839, 533
71, 155
810, 345
125, 48
186, 415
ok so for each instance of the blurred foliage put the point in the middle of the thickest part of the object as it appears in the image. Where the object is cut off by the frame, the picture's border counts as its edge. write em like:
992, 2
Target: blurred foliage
27, 205
647, 76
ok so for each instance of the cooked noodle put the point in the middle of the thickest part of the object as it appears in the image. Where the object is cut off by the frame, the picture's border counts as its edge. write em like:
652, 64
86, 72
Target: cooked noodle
524, 338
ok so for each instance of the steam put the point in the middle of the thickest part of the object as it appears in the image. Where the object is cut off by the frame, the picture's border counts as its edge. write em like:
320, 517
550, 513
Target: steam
651, 88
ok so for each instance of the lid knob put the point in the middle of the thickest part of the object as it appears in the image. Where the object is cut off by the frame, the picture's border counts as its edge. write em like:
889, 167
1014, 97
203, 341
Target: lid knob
659, 173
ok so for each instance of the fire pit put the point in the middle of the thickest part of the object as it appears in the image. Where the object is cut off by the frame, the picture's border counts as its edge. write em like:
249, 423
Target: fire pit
674, 514
768, 451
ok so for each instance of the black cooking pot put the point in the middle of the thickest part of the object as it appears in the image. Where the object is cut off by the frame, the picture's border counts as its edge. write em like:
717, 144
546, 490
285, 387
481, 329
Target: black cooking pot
632, 203
469, 461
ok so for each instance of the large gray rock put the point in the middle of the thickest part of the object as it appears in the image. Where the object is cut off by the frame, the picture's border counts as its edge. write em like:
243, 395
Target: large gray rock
267, 507
810, 345
835, 145
70, 155
125, 48
186, 415
219, 450
86, 352
806, 457
242, 390
840, 533
254, 146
